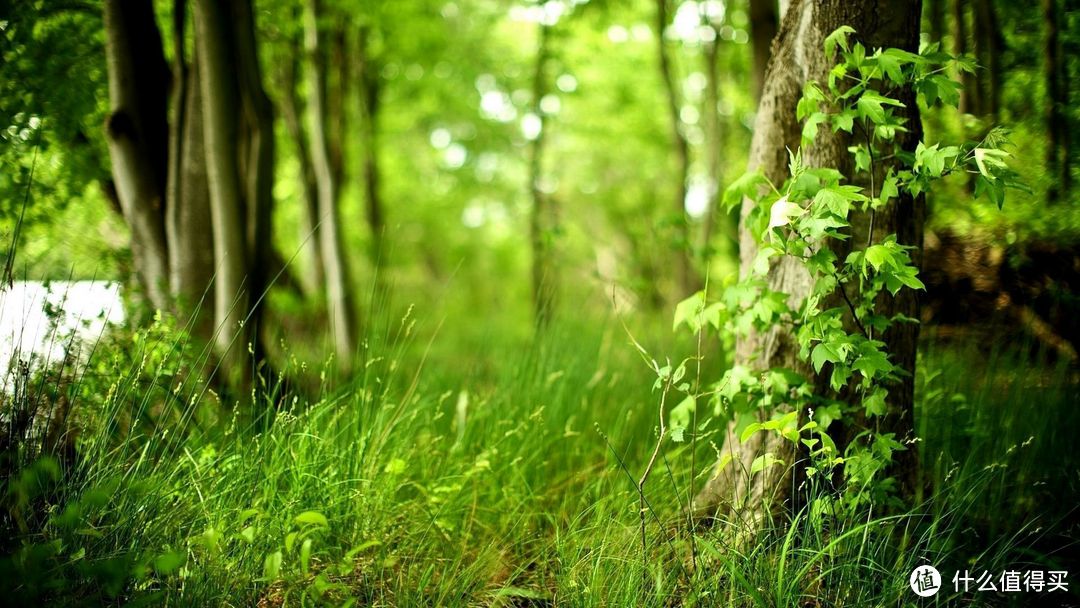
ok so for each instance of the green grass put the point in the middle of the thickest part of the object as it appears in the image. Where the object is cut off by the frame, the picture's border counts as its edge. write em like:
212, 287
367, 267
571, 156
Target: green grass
502, 476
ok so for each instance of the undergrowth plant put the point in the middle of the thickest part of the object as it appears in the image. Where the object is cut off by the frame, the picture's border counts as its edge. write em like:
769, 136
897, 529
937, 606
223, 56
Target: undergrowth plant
805, 219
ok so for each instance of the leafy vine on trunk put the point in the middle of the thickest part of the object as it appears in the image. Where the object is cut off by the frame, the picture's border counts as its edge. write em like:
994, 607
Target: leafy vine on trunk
837, 413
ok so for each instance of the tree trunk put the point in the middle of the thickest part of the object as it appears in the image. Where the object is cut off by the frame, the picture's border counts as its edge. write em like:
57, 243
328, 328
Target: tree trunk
338, 284
968, 99
1056, 125
191, 245
138, 134
734, 495
989, 45
936, 19
257, 169
687, 280
763, 23
370, 91
216, 42
710, 119
196, 193
714, 128
292, 109
541, 223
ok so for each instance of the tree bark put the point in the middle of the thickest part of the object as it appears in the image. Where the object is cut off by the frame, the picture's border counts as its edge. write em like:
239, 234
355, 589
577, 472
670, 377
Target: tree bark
191, 245
216, 42
338, 284
196, 192
257, 169
681, 148
710, 119
763, 23
936, 19
734, 495
370, 91
1056, 124
541, 219
138, 134
292, 109
989, 44
968, 99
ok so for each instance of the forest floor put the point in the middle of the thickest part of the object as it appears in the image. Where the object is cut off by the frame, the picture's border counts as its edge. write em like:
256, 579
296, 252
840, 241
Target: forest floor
493, 471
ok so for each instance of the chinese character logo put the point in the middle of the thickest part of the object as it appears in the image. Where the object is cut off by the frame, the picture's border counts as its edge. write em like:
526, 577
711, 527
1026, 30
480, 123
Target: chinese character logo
925, 581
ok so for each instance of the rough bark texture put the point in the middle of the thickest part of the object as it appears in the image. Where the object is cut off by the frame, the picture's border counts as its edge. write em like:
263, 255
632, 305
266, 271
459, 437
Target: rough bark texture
338, 287
681, 148
137, 132
733, 494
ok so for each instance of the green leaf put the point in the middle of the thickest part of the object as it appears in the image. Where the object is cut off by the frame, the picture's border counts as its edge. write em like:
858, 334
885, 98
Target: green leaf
824, 353
870, 108
762, 462
844, 121
989, 156
305, 555
749, 431
396, 466
838, 199
748, 185
680, 417
874, 403
170, 562
810, 129
839, 37
311, 518
889, 188
878, 256
992, 187
890, 65
272, 566
688, 311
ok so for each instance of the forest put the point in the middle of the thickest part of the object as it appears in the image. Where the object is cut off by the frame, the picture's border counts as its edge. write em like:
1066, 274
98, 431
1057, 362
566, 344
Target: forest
523, 303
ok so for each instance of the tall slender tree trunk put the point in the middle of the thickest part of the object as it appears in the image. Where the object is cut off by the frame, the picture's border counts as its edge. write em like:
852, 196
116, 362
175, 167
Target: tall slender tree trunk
257, 169
196, 191
989, 45
968, 98
216, 42
338, 283
710, 119
541, 219
1056, 100
137, 133
370, 93
733, 494
191, 244
292, 110
764, 20
936, 19
684, 257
